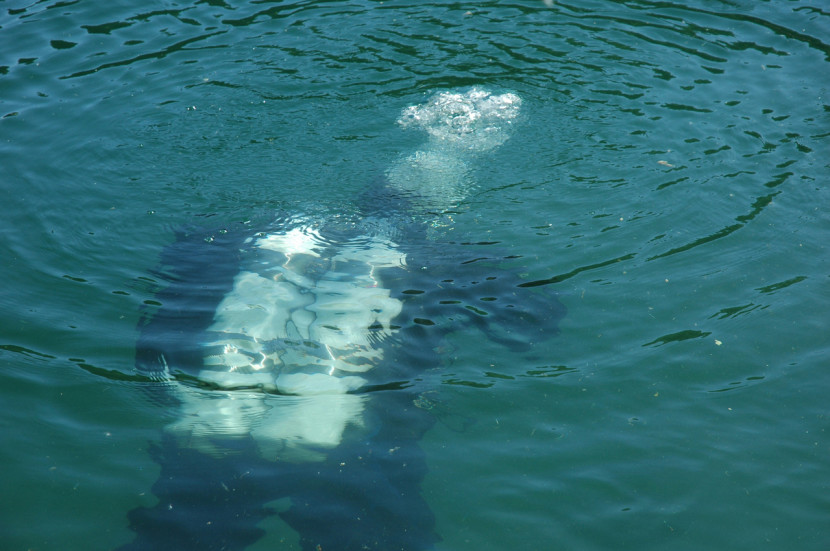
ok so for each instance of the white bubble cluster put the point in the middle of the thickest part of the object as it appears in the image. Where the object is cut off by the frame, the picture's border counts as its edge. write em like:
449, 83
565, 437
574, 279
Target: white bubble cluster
476, 120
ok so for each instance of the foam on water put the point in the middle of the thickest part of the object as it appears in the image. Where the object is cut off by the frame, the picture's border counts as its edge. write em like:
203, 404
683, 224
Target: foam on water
476, 120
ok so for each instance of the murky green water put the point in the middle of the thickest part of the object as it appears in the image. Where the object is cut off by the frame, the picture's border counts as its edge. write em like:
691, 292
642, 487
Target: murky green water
667, 177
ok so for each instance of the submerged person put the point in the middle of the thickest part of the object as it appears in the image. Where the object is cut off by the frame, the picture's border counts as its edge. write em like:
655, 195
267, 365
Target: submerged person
292, 355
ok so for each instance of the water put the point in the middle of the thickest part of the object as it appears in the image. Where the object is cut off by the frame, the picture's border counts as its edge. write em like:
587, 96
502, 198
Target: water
666, 178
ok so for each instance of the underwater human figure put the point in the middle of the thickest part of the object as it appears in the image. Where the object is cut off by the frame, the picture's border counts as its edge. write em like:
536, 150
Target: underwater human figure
292, 356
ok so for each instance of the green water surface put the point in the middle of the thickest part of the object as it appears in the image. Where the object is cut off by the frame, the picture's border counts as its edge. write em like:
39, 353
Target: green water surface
668, 178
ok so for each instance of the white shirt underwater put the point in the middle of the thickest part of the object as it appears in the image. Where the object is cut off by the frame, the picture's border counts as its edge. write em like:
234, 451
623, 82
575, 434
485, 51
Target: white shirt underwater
307, 339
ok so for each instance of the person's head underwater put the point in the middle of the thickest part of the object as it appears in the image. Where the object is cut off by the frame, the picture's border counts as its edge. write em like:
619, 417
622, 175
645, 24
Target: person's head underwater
460, 125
